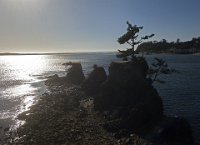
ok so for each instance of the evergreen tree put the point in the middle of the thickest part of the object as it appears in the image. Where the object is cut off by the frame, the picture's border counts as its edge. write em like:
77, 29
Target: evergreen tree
130, 37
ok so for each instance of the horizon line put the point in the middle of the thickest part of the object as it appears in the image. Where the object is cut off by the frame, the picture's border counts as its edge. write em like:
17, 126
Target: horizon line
51, 53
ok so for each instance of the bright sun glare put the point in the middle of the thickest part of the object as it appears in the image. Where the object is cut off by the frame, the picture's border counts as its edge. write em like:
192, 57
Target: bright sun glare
26, 61
21, 68
25, 65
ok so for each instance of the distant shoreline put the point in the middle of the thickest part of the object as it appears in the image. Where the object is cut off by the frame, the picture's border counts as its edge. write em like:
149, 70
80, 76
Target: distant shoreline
1, 54
68, 53
196, 53
65, 53
169, 53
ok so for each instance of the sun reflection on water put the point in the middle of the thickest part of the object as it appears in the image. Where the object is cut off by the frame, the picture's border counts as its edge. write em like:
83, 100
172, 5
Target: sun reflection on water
21, 69
23, 66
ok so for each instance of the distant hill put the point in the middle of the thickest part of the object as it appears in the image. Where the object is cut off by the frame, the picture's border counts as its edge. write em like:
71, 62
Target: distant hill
187, 47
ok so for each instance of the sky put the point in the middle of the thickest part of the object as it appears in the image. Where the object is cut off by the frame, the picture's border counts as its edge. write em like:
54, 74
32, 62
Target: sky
91, 25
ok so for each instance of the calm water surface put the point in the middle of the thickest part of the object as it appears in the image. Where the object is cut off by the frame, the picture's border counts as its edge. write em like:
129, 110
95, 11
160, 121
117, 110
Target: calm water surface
21, 81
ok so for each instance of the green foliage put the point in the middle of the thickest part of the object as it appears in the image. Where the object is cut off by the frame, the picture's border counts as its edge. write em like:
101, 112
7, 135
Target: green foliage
130, 37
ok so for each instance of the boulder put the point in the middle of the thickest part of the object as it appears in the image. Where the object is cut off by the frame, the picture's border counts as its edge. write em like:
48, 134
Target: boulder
130, 103
75, 73
173, 131
137, 67
127, 88
92, 83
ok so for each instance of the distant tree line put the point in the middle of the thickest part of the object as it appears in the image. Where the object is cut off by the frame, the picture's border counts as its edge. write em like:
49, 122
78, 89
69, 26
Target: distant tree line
163, 46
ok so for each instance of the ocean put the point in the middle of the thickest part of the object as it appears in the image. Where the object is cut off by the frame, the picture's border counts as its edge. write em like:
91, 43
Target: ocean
22, 82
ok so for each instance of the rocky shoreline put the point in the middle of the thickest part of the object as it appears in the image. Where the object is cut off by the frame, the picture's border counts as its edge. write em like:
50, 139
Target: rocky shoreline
58, 118
122, 108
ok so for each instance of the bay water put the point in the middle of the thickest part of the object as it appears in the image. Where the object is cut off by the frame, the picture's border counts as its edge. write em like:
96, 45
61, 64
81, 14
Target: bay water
22, 82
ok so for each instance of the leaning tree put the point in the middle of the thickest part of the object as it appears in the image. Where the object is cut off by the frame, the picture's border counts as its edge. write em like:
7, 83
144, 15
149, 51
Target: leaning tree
131, 38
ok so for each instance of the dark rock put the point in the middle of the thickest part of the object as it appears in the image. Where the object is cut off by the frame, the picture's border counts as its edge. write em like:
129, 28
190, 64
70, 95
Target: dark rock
54, 79
112, 126
121, 134
6, 129
82, 114
92, 84
137, 67
75, 73
175, 130
143, 66
127, 88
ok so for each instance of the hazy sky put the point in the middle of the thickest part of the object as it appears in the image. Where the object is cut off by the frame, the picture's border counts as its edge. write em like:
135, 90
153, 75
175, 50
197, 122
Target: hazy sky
90, 25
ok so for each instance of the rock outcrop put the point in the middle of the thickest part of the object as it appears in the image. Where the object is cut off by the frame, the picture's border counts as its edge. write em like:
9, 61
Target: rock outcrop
92, 83
127, 88
132, 105
172, 131
75, 73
